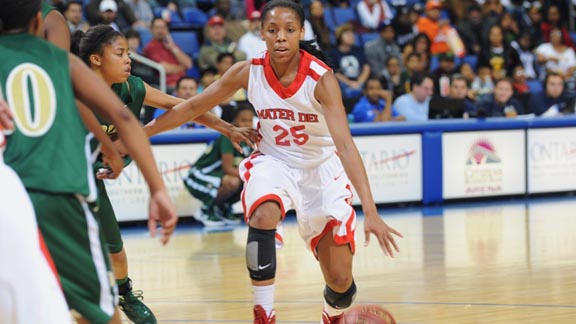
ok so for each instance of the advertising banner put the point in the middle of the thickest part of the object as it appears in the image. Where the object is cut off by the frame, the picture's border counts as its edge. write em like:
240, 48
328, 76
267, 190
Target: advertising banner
394, 166
483, 163
551, 159
129, 193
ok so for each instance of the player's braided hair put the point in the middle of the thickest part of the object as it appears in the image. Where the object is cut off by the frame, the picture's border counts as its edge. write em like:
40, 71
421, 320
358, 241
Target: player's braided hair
93, 41
16, 15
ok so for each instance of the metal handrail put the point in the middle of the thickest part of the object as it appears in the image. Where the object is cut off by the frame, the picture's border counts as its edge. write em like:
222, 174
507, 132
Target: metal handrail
153, 64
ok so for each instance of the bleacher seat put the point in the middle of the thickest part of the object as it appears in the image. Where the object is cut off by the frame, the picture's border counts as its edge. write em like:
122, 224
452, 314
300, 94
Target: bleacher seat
472, 60
188, 42
335, 17
196, 17
145, 36
535, 86
367, 37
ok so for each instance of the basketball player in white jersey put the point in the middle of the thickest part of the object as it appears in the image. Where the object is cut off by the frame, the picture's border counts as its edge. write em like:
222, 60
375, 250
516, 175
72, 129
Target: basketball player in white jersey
29, 288
305, 161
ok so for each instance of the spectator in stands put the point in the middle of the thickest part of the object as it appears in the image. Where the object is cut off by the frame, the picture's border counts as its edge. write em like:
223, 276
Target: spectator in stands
124, 17
531, 22
348, 62
232, 24
556, 56
442, 74
524, 48
217, 43
145, 72
412, 66
224, 62
501, 103
186, 87
251, 42
207, 77
319, 26
421, 45
500, 56
372, 13
434, 27
390, 77
470, 30
509, 27
108, 9
73, 14
339, 3
142, 11
554, 100
520, 86
378, 50
468, 73
483, 83
163, 50
459, 90
554, 21
404, 29
414, 106
375, 105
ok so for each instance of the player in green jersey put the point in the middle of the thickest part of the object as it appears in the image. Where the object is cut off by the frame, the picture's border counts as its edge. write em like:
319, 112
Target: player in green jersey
48, 149
214, 177
106, 52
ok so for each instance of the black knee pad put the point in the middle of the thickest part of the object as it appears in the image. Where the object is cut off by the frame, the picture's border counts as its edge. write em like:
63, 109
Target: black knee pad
261, 254
340, 300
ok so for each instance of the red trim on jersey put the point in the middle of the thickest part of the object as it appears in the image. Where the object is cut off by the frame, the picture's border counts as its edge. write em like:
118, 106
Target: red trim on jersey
258, 61
260, 201
304, 70
48, 257
338, 239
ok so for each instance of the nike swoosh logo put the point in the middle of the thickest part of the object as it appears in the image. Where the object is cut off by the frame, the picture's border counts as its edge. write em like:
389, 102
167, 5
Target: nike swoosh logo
338, 177
264, 267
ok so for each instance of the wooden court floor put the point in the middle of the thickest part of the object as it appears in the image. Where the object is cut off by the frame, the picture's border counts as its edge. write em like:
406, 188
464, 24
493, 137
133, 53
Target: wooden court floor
509, 262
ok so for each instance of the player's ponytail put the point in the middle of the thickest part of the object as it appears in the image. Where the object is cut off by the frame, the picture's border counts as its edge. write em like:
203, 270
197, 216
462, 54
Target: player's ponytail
310, 47
93, 41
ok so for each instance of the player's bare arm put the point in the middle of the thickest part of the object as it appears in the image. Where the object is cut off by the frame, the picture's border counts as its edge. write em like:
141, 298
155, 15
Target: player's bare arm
56, 30
328, 94
94, 93
235, 78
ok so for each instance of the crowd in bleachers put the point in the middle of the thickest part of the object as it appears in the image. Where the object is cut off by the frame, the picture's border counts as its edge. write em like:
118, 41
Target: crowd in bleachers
394, 59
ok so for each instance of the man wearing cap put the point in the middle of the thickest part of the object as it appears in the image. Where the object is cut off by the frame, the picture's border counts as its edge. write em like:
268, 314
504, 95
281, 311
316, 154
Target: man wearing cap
251, 43
379, 50
163, 50
217, 43
96, 11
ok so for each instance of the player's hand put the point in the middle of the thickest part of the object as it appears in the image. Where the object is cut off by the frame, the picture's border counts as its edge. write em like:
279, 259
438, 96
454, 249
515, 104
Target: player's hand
119, 146
113, 163
247, 135
5, 116
162, 212
384, 233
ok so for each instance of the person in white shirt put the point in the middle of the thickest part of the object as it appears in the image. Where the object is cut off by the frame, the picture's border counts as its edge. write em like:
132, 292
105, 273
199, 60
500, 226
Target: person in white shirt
251, 43
556, 56
373, 12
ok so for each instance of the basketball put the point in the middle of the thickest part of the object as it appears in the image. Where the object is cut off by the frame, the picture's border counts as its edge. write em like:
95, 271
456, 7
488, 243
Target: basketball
367, 314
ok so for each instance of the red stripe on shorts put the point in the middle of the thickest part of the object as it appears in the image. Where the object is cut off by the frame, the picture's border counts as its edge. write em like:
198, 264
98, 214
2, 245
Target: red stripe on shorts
48, 257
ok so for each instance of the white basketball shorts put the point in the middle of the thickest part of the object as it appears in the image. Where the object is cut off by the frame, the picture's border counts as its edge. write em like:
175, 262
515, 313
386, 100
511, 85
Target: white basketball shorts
321, 196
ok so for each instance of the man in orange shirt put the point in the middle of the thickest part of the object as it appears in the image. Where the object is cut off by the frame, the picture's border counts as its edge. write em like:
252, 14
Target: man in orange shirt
435, 28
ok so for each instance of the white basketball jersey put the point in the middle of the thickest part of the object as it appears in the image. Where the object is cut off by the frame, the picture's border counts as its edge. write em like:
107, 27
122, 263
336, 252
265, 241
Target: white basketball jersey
291, 120
2, 145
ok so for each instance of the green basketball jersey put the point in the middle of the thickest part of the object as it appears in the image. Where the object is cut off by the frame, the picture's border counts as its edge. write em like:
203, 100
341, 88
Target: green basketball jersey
132, 93
46, 8
49, 146
211, 160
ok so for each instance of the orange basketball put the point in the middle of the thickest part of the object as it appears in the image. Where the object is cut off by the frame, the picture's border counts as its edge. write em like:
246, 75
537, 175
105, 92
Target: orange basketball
367, 314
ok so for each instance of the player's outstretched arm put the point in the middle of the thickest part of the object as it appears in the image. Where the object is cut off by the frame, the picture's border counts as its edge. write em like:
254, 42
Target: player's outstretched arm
159, 99
94, 93
235, 78
328, 94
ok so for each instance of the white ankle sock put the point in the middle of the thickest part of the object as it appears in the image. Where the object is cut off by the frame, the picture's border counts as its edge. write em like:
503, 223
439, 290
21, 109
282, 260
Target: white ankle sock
331, 311
264, 296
